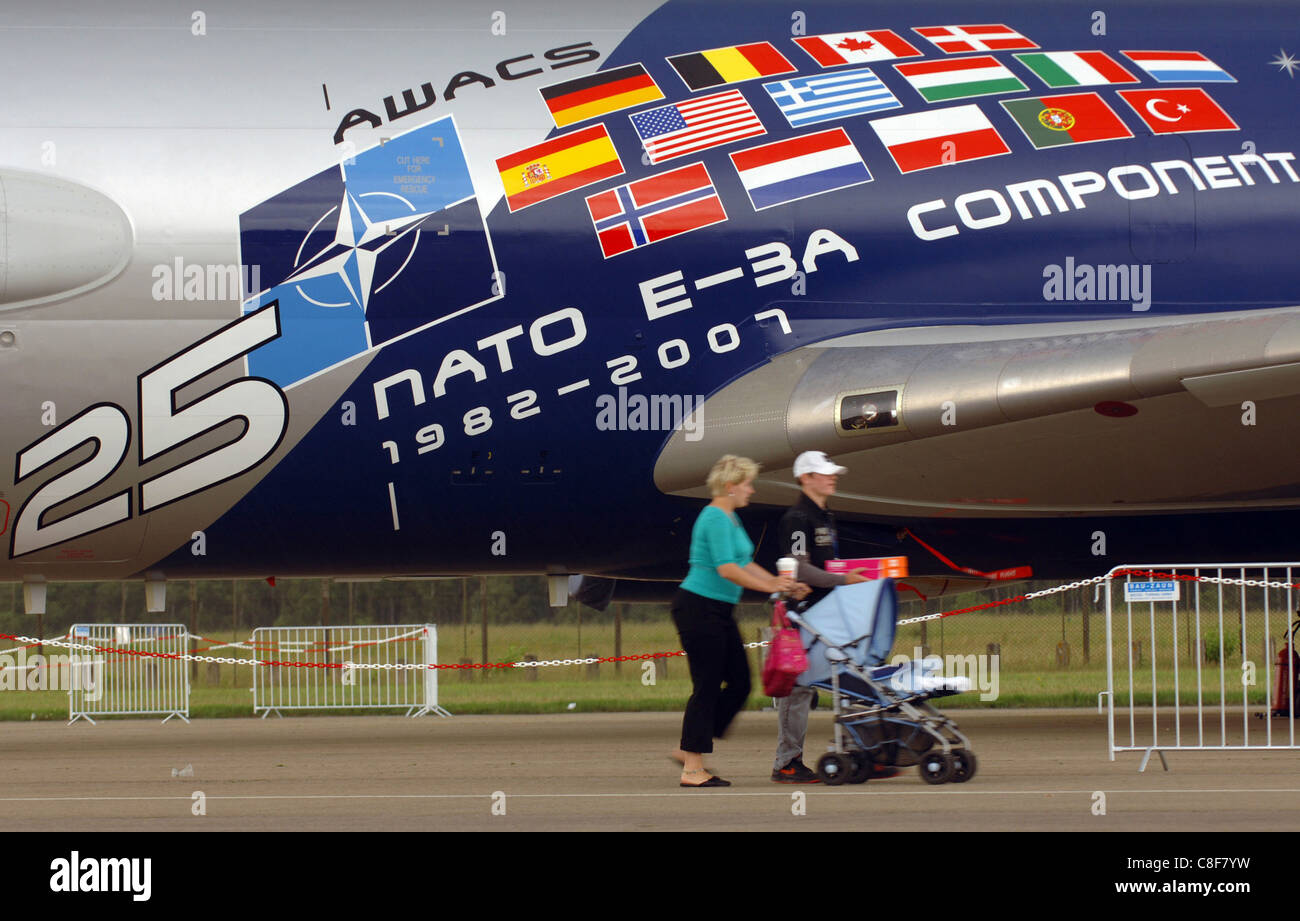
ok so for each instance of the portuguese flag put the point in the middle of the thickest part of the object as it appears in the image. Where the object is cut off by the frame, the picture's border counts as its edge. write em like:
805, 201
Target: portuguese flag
1076, 118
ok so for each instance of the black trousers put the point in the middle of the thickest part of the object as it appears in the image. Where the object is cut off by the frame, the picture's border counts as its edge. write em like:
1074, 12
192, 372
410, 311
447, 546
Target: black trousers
719, 668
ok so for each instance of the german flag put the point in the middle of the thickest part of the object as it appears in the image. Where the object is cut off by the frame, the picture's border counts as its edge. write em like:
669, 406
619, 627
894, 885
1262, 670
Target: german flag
560, 165
599, 94
719, 66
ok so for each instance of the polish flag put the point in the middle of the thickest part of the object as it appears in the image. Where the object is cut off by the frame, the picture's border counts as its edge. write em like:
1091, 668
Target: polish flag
939, 137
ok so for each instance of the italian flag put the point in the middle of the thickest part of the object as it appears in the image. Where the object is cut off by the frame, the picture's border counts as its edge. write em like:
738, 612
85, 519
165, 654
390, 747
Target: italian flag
1078, 118
939, 137
1075, 68
959, 78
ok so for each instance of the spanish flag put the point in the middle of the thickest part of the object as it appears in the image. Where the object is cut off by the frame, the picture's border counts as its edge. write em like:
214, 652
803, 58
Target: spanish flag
599, 94
560, 165
719, 66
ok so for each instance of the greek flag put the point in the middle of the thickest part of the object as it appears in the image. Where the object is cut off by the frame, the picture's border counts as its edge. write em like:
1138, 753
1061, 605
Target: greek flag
830, 96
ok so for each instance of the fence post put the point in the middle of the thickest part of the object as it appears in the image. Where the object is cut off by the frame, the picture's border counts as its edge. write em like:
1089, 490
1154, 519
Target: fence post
530, 674
1087, 640
483, 606
618, 637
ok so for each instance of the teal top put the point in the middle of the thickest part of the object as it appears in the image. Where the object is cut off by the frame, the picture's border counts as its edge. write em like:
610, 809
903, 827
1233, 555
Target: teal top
717, 538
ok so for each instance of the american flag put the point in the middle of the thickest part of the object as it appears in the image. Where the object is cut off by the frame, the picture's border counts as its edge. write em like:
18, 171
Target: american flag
696, 124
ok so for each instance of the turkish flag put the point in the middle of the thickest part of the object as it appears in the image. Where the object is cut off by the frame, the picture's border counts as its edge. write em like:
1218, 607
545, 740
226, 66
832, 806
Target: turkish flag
1172, 111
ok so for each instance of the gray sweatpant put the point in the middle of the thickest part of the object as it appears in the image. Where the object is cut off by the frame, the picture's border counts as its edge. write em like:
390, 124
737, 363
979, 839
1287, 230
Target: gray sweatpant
792, 725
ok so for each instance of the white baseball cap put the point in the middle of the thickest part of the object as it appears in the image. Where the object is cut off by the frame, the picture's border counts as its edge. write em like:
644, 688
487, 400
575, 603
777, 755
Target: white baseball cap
815, 462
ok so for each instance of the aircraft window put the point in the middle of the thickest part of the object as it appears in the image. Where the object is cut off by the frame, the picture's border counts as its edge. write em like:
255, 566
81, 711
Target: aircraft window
871, 411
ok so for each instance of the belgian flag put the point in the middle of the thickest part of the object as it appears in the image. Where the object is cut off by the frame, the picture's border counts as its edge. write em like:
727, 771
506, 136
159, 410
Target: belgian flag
599, 94
718, 66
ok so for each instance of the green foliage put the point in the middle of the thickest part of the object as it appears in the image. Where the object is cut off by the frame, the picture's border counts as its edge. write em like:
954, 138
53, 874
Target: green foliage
1211, 646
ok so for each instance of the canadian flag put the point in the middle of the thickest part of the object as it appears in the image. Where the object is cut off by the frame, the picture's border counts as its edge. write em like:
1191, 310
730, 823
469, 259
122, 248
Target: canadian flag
837, 48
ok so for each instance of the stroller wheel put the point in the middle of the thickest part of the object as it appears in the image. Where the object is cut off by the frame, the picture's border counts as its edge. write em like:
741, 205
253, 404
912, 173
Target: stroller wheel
963, 766
862, 768
834, 768
935, 768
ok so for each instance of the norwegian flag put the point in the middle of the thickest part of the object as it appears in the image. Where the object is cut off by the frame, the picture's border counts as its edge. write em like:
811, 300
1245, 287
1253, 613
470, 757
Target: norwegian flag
653, 209
958, 39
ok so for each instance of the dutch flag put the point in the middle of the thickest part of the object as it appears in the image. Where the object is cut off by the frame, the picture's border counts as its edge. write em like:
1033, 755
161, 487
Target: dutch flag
800, 167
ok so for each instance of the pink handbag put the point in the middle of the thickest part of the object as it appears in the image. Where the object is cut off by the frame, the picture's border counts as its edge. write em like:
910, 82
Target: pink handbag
785, 656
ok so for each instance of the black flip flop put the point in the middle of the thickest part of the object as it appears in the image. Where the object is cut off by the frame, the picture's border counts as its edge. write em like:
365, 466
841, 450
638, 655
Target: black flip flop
711, 782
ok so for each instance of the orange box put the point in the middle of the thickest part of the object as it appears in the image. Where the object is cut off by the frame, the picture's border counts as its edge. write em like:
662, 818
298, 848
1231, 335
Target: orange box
879, 567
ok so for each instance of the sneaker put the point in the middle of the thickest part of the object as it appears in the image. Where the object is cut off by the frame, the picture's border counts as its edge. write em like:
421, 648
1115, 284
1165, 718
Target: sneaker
794, 772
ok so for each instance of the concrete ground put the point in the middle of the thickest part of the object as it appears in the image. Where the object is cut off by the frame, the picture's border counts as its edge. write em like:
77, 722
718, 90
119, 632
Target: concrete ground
1039, 770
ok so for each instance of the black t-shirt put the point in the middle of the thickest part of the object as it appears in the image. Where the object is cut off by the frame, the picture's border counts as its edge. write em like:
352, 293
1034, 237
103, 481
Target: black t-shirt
809, 531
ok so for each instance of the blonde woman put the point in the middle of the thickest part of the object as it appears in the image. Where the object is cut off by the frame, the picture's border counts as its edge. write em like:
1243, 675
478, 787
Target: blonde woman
721, 561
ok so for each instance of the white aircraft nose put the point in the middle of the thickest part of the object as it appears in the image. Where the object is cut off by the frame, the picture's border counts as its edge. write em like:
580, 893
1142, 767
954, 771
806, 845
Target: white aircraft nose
57, 238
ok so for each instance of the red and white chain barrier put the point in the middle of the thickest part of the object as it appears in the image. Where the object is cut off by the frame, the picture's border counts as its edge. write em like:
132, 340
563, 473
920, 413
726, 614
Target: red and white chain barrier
28, 642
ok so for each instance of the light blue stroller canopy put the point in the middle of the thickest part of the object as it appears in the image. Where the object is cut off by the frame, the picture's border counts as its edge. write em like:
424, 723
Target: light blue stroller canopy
858, 620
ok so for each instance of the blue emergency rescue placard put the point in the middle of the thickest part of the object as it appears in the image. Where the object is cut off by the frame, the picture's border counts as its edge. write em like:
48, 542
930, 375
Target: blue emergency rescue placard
1151, 591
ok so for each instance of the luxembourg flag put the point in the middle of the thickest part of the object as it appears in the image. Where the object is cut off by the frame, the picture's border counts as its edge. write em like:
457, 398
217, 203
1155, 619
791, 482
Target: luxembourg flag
800, 167
1179, 67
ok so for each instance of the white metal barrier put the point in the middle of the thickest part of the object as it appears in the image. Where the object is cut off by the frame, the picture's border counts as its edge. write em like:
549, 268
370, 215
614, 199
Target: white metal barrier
400, 677
1197, 645
124, 684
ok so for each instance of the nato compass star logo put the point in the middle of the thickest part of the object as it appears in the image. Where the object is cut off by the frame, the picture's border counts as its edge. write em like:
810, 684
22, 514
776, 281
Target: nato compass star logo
368, 252
356, 248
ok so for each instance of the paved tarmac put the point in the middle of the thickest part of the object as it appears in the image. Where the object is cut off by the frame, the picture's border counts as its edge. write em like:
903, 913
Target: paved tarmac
1039, 770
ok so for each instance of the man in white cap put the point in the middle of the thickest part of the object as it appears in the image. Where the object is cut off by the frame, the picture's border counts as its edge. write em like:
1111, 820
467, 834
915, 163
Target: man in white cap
807, 533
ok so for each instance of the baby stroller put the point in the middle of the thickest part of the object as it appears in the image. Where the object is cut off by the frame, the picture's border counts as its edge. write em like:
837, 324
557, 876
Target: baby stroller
883, 714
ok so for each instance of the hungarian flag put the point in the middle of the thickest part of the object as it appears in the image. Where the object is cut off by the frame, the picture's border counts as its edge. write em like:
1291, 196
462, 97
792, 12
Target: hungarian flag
939, 137
1077, 118
1178, 111
654, 209
837, 48
1179, 67
599, 94
718, 66
957, 39
560, 165
1075, 68
960, 78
